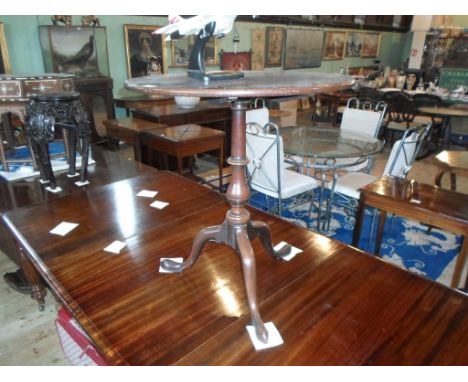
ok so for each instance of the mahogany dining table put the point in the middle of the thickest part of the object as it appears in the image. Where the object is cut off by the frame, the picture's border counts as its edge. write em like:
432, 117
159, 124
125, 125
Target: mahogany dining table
332, 304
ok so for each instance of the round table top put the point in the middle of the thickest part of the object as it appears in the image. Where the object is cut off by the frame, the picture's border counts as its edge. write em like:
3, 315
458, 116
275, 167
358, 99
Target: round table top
327, 143
444, 111
254, 84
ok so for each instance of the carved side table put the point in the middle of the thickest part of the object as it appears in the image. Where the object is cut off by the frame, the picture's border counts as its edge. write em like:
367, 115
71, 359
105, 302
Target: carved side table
43, 114
238, 230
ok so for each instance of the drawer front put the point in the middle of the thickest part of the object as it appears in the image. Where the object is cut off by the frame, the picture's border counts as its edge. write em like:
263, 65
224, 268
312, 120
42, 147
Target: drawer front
10, 89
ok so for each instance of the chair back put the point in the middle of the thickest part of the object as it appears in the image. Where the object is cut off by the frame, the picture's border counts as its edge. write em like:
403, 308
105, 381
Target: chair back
405, 150
257, 114
366, 93
265, 153
401, 108
363, 118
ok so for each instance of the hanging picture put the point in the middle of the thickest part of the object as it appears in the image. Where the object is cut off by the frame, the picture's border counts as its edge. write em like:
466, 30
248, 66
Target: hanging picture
353, 44
303, 48
370, 45
81, 51
274, 46
258, 49
146, 52
237, 62
4, 59
333, 47
182, 48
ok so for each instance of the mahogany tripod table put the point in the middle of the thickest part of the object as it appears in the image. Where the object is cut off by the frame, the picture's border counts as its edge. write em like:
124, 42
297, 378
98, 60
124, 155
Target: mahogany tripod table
238, 230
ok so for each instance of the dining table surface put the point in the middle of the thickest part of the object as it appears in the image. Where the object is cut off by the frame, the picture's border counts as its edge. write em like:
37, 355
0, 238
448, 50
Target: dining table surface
332, 304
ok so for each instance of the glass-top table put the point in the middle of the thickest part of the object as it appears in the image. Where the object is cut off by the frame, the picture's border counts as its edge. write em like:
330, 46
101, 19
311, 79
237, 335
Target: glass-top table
326, 150
327, 143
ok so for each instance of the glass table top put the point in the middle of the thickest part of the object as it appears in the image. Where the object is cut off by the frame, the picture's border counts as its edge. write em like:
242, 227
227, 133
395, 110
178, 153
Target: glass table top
327, 143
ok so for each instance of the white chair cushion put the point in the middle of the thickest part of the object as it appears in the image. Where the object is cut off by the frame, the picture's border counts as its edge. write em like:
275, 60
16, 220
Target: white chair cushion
292, 184
349, 184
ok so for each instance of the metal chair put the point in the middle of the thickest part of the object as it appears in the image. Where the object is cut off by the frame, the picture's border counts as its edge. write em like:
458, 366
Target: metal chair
266, 172
399, 163
401, 113
364, 119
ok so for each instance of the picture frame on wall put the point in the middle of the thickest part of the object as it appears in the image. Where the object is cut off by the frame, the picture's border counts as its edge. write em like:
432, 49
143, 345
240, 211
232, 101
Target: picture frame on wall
258, 48
181, 49
78, 50
4, 58
371, 45
146, 52
303, 48
236, 61
274, 47
334, 45
354, 42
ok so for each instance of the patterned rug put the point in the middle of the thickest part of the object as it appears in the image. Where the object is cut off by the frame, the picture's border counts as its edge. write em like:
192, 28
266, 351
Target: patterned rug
20, 170
405, 243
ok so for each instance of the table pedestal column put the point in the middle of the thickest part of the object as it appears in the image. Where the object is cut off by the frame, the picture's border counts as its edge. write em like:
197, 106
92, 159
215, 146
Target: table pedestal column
237, 230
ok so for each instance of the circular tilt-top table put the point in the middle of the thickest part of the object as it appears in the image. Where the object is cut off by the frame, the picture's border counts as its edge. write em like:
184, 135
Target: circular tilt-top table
238, 230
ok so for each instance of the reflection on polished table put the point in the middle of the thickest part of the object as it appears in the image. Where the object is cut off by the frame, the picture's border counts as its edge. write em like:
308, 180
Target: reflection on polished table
109, 168
333, 304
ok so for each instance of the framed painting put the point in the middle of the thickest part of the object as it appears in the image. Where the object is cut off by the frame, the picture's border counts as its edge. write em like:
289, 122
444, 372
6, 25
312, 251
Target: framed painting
303, 48
371, 45
238, 62
146, 52
258, 49
182, 48
354, 42
81, 51
274, 46
4, 58
334, 45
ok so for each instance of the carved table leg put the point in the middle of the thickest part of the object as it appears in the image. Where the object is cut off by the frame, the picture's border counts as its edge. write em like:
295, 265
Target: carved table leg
214, 233
38, 290
262, 230
247, 256
71, 151
237, 229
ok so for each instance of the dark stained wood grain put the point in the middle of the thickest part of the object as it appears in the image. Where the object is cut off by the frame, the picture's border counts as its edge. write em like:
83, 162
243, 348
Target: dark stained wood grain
332, 304
109, 167
172, 115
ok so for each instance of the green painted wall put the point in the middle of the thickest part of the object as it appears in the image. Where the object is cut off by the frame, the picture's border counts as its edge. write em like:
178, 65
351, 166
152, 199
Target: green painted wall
26, 55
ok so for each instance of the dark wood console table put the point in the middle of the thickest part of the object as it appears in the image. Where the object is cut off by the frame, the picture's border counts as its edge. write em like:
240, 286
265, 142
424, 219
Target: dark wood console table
238, 230
333, 304
413, 200
141, 101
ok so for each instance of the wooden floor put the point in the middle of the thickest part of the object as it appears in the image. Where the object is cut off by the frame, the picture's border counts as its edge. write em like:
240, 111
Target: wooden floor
29, 337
